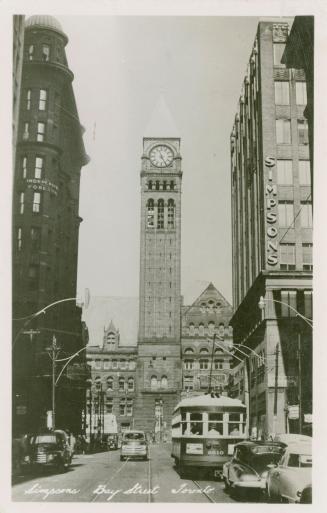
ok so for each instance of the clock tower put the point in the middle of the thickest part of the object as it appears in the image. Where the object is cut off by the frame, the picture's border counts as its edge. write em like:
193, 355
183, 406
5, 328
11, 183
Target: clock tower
159, 360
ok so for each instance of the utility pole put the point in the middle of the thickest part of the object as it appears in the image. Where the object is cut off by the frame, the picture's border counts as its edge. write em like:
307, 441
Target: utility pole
299, 380
53, 355
276, 386
211, 365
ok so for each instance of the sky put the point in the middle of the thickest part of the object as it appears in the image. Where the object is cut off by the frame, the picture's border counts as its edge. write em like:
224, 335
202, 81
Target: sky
122, 65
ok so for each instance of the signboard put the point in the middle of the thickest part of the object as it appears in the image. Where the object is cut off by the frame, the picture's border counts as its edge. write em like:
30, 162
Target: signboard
308, 418
42, 185
293, 412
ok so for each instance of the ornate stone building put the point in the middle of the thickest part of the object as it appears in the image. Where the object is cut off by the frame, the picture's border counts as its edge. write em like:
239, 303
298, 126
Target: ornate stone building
110, 398
49, 156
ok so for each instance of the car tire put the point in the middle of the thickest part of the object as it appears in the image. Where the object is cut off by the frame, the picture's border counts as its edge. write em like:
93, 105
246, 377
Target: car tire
122, 458
227, 484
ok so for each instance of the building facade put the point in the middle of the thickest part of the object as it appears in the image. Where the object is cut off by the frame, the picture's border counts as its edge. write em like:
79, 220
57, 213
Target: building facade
49, 156
272, 237
110, 398
17, 66
207, 340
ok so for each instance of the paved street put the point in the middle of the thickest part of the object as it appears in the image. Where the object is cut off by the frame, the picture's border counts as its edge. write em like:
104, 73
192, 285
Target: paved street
103, 477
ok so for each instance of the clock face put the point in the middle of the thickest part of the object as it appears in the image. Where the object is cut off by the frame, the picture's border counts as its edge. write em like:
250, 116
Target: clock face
161, 156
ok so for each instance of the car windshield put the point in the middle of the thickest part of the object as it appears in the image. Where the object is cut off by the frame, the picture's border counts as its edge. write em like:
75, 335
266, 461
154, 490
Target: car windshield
134, 436
45, 439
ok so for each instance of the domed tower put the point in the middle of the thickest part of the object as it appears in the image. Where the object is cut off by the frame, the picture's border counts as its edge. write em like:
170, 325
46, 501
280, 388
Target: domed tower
49, 157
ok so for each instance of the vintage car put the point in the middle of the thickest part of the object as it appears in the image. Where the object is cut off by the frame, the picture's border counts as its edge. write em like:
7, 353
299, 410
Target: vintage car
112, 441
290, 438
248, 468
287, 480
306, 495
134, 445
49, 450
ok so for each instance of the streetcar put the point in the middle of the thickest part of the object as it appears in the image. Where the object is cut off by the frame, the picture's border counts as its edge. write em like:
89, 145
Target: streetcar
205, 429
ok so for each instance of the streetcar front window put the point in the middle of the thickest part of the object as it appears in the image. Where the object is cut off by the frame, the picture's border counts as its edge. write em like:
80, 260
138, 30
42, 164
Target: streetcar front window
215, 425
236, 425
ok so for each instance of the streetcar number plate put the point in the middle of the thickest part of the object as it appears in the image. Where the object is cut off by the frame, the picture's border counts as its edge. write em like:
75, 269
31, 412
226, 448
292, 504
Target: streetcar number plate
212, 451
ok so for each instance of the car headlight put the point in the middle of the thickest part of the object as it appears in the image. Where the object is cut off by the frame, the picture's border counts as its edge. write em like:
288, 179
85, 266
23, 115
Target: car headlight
27, 459
51, 457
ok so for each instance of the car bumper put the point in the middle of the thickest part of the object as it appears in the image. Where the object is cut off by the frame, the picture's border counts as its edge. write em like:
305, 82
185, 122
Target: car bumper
251, 485
133, 453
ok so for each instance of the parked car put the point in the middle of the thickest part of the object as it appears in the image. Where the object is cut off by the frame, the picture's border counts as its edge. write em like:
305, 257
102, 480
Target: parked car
134, 445
306, 495
248, 468
293, 473
50, 450
288, 438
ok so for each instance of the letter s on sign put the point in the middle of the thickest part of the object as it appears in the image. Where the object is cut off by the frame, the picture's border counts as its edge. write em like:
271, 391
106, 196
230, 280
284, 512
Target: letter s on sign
271, 217
270, 161
272, 259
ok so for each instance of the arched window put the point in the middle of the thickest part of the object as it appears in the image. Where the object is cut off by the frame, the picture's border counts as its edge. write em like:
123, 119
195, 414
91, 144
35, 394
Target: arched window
121, 384
161, 209
221, 330
97, 382
171, 213
111, 338
131, 384
201, 330
154, 382
110, 383
172, 185
191, 328
157, 185
164, 382
150, 185
150, 214
189, 350
164, 186
218, 350
204, 350
211, 328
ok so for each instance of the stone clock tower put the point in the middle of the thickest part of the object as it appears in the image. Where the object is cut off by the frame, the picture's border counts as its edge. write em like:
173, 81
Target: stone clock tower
159, 361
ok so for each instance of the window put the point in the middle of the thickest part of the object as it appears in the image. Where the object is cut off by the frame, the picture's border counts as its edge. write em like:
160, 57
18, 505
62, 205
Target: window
211, 328
218, 364
123, 364
106, 364
24, 167
284, 172
283, 131
129, 407
131, 365
307, 256
204, 364
43, 99
191, 328
164, 382
278, 53
201, 330
287, 256
36, 202
28, 99
26, 133
302, 131
154, 382
286, 214
188, 350
308, 303
160, 221
215, 425
21, 202
204, 350
282, 93
196, 423
35, 237
40, 132
171, 213
45, 53
304, 172
121, 384
301, 93
110, 383
109, 405
130, 384
114, 364
188, 383
33, 275
306, 214
288, 299
19, 239
150, 214
188, 364
38, 167
122, 407
30, 52
97, 364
